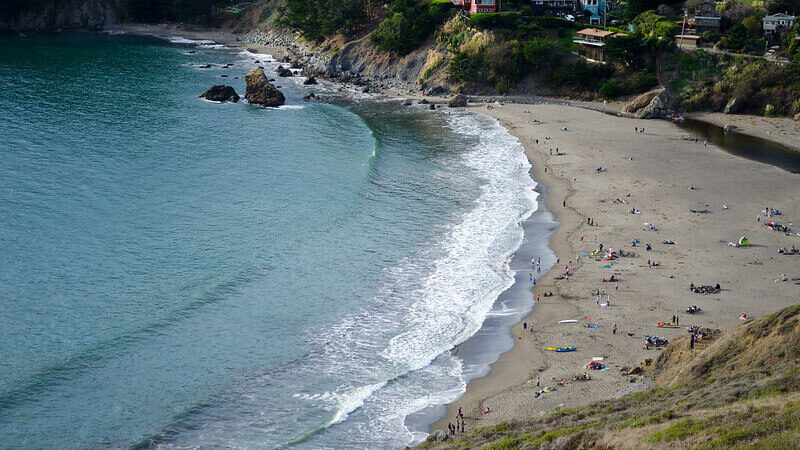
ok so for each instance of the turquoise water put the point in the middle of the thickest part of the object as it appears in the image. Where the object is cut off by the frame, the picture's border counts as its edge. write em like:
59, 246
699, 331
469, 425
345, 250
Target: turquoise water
177, 272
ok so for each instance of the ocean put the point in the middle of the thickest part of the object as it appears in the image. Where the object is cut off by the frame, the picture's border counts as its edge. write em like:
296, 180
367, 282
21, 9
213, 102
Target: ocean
182, 273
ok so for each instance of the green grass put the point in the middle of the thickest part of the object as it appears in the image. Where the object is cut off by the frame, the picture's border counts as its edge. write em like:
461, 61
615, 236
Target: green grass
505, 444
553, 434
679, 431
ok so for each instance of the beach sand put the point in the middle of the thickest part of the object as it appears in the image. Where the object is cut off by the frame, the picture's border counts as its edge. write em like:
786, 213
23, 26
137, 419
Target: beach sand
651, 172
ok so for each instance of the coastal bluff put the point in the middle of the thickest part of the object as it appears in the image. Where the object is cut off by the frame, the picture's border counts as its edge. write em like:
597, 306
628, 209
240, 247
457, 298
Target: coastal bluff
260, 91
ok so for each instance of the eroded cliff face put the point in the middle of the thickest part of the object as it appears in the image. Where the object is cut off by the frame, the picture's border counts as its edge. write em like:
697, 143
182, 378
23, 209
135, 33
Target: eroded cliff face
63, 15
356, 61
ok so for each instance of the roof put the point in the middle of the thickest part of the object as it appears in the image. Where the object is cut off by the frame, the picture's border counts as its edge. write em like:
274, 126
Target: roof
595, 32
779, 16
710, 13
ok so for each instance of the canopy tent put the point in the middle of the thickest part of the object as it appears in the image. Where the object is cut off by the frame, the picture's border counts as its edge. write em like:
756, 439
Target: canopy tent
744, 242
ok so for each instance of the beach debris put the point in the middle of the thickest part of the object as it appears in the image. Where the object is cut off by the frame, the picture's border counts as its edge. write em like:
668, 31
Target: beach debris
220, 93
260, 91
568, 321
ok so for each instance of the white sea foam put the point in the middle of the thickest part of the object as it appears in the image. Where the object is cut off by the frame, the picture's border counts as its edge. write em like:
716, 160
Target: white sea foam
435, 300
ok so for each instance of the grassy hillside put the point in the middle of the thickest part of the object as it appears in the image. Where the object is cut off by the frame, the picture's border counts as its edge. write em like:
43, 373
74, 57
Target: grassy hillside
742, 390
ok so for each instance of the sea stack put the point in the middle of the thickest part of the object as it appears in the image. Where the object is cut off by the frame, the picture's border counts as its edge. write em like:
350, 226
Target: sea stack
220, 93
260, 91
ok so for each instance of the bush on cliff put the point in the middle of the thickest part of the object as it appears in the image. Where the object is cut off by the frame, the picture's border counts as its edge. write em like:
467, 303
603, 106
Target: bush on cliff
318, 19
408, 24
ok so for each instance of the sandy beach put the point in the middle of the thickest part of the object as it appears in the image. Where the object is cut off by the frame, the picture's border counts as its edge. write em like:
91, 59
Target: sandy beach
651, 172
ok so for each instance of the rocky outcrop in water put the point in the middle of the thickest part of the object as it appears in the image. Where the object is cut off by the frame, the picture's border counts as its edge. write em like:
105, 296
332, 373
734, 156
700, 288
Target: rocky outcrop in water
260, 91
310, 80
283, 72
50, 16
221, 93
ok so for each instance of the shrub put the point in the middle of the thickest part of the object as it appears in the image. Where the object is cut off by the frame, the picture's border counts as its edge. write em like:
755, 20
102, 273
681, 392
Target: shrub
510, 19
407, 24
538, 50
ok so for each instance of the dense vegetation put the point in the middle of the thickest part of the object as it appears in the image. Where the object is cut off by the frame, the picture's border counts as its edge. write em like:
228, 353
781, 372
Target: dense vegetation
318, 19
742, 391
408, 23
195, 11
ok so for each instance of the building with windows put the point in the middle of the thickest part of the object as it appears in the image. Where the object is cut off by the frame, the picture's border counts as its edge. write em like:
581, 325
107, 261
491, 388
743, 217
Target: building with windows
778, 23
597, 8
478, 6
591, 41
557, 8
707, 18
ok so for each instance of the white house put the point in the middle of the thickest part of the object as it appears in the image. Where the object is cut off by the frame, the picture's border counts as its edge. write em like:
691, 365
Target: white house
777, 23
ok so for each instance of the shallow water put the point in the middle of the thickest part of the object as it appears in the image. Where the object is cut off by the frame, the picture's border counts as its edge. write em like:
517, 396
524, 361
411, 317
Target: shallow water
746, 146
178, 272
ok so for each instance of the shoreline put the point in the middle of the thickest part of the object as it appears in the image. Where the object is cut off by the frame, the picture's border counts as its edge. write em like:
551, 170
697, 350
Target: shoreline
508, 387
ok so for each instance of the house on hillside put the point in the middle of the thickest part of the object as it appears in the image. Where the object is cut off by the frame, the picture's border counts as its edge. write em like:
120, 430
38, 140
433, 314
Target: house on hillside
778, 23
591, 41
557, 8
596, 7
478, 6
707, 18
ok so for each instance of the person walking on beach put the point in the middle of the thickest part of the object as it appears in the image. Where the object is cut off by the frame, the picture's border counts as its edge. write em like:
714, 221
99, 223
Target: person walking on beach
524, 327
459, 413
537, 381
564, 204
614, 328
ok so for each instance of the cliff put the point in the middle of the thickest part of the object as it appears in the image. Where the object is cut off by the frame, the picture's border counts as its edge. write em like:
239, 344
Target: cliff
46, 16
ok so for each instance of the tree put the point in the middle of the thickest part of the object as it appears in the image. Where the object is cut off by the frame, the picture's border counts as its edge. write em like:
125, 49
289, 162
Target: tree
735, 38
625, 49
651, 24
538, 50
782, 6
754, 26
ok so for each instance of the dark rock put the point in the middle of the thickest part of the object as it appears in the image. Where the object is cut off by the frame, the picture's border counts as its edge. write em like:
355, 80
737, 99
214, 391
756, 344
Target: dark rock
310, 96
283, 71
459, 101
730, 128
271, 80
223, 76
406, 103
221, 93
437, 436
436, 90
365, 90
310, 80
260, 91
295, 65
423, 102
432, 107
204, 66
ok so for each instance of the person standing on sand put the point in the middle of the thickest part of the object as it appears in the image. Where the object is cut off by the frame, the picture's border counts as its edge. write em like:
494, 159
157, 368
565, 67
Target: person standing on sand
459, 413
614, 328
564, 204
524, 325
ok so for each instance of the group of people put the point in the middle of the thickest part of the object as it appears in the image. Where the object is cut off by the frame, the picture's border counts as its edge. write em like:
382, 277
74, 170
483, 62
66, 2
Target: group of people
460, 424
704, 289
